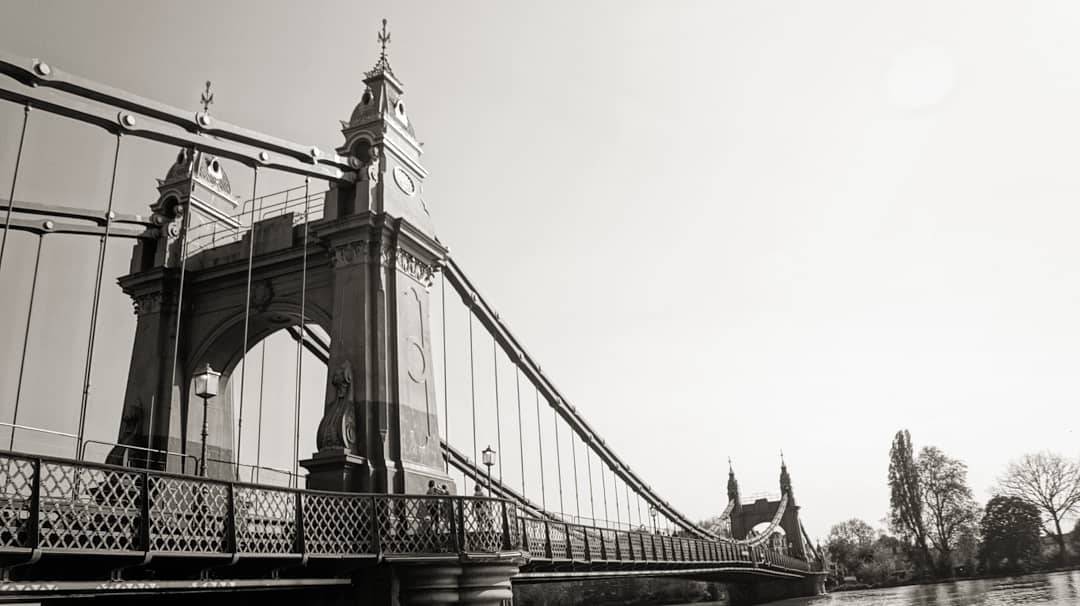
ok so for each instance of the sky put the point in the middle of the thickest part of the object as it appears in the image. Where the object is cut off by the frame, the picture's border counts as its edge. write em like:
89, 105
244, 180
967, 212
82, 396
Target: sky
724, 229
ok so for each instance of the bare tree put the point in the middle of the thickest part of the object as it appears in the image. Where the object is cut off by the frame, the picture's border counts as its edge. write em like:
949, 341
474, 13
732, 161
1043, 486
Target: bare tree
1049, 481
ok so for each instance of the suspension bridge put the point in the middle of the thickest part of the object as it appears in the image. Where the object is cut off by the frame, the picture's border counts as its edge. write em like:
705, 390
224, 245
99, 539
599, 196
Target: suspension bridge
345, 261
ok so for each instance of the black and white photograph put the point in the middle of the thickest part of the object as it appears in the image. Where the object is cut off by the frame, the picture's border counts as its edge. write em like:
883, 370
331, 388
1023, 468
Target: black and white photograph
562, 303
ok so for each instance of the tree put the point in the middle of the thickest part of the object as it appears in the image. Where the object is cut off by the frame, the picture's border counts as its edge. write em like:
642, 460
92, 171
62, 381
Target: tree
1010, 528
906, 498
1049, 481
948, 507
851, 543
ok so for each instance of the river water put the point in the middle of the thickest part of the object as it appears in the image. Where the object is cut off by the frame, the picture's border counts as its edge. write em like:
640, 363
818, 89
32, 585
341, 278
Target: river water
1054, 589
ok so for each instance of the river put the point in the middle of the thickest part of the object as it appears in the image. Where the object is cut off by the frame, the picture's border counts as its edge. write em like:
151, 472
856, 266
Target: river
1053, 589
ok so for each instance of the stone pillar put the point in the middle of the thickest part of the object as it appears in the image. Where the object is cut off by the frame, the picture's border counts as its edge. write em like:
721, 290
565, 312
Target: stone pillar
471, 584
379, 431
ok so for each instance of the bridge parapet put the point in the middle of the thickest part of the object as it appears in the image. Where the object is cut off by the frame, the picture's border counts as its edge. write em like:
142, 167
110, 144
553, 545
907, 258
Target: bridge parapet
110, 517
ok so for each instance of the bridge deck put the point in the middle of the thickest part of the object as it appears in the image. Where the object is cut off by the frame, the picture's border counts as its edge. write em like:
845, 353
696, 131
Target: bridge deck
122, 522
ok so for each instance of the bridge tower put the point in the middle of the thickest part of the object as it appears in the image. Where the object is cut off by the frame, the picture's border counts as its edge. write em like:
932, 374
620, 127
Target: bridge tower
384, 253
745, 517
370, 263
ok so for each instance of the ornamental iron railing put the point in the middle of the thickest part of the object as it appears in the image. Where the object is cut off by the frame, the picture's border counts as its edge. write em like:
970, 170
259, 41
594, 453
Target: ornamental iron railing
63, 506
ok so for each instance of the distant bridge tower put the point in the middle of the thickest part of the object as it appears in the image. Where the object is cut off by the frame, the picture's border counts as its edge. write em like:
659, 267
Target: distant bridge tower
745, 517
370, 263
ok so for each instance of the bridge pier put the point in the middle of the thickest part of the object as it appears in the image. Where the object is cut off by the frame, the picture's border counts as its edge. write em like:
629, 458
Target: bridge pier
759, 592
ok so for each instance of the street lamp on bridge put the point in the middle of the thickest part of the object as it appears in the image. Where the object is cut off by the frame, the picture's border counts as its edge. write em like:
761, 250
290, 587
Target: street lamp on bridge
206, 387
489, 460
652, 514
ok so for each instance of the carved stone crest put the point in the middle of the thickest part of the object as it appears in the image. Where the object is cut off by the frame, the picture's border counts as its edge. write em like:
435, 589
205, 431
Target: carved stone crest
338, 426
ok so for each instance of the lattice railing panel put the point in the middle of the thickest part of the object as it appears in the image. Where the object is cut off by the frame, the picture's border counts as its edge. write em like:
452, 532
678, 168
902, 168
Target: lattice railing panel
536, 537
559, 541
188, 516
577, 543
593, 534
405, 526
89, 508
483, 525
17, 486
607, 538
624, 545
635, 547
341, 524
265, 520
650, 548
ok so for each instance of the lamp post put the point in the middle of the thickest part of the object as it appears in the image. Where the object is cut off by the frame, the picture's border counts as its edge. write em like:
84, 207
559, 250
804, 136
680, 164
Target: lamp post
489, 460
206, 387
652, 514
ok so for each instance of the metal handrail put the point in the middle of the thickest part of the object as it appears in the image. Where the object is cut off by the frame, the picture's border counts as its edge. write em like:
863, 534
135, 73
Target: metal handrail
167, 453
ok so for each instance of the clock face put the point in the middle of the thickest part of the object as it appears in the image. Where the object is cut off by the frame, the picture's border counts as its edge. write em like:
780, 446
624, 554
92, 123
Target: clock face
404, 182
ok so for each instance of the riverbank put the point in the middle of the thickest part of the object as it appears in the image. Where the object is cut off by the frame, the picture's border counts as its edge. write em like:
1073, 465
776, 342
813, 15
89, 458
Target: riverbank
974, 577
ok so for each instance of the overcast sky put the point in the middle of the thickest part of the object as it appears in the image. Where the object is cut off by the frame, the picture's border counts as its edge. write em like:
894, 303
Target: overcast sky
724, 228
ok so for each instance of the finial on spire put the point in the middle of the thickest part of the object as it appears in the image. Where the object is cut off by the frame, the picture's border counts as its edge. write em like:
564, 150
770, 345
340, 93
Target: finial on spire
782, 463
383, 64
207, 98
729, 467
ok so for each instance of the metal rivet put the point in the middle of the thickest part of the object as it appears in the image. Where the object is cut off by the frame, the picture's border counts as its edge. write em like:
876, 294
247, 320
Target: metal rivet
127, 120
314, 151
264, 157
354, 162
48, 225
203, 119
42, 68
111, 215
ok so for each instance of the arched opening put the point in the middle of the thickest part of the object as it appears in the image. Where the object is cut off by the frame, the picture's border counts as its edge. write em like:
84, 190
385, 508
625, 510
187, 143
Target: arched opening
269, 403
777, 539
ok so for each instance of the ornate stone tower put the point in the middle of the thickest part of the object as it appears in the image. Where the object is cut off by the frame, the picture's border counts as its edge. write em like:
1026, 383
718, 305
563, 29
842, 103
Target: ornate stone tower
380, 429
195, 191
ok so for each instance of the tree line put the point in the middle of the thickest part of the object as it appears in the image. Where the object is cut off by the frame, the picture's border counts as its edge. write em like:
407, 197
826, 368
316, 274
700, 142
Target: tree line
938, 530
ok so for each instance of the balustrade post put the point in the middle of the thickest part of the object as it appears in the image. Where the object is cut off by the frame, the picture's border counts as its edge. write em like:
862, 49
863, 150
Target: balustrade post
585, 542
144, 506
230, 518
524, 534
569, 542
33, 532
300, 543
603, 544
630, 545
459, 536
505, 528
547, 541
376, 535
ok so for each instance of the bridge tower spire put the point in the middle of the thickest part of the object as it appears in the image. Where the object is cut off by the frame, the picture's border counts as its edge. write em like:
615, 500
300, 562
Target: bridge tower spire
732, 487
384, 255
